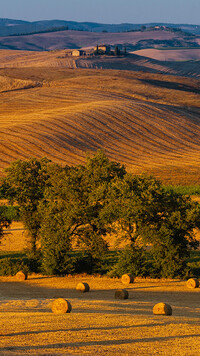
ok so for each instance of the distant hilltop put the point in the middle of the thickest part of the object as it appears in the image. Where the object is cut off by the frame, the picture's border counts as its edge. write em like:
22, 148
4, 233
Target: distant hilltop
10, 27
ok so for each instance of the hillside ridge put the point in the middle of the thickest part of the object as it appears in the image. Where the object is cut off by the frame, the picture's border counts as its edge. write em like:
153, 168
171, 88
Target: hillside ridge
11, 26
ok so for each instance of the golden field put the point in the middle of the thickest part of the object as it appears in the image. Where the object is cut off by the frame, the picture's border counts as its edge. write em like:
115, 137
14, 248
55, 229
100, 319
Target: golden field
147, 121
15, 238
98, 324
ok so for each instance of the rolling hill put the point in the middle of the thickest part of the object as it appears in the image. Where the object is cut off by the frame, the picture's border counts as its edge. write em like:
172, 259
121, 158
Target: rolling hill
150, 122
77, 39
131, 62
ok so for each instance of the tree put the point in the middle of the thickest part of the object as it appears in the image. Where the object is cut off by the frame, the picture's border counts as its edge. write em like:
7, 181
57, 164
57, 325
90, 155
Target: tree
117, 51
75, 208
4, 222
143, 28
148, 214
25, 184
97, 50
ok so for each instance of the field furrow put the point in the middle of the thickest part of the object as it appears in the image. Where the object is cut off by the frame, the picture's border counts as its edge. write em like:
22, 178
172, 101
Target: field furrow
143, 126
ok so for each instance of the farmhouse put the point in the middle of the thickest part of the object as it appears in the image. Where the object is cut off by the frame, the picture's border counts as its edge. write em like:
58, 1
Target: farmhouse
105, 49
78, 53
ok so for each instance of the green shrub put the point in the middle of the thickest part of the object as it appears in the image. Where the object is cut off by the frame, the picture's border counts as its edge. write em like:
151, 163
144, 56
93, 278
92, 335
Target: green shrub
184, 189
9, 266
58, 264
86, 263
168, 262
10, 212
131, 260
33, 261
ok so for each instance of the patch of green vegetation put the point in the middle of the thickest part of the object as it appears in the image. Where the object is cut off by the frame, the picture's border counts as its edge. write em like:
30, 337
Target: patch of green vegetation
193, 263
12, 254
10, 212
184, 190
113, 263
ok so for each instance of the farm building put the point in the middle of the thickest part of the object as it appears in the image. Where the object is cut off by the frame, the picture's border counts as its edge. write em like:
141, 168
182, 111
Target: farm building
102, 49
78, 53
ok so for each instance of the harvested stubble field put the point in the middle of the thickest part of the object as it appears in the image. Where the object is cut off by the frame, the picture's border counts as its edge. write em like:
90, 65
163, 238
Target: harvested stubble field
98, 324
149, 122
15, 238
170, 54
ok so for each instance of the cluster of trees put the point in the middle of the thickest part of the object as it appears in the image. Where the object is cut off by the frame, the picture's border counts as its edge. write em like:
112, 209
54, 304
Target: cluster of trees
67, 208
116, 52
52, 29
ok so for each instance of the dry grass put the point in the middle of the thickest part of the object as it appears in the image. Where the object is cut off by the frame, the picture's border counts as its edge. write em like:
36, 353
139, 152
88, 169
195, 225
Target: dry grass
98, 324
149, 122
14, 238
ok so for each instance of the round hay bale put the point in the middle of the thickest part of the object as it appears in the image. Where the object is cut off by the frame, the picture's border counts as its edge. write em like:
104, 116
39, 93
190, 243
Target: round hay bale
162, 309
121, 294
61, 306
83, 287
21, 276
192, 283
127, 278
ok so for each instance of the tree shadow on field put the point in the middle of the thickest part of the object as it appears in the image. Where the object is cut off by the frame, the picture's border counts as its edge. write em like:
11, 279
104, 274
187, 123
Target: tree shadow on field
97, 343
82, 329
171, 85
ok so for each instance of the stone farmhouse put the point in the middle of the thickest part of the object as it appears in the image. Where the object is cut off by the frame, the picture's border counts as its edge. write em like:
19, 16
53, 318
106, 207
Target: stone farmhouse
78, 53
104, 49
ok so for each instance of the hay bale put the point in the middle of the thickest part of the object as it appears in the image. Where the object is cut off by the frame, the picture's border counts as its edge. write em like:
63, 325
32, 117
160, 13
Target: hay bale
21, 276
192, 283
61, 306
121, 294
127, 278
83, 287
162, 309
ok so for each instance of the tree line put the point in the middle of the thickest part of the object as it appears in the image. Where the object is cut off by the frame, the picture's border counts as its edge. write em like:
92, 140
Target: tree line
73, 208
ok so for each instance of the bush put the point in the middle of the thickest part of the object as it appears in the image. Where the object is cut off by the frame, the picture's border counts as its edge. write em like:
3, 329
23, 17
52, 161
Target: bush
11, 213
131, 260
9, 266
169, 263
86, 263
58, 264
33, 261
